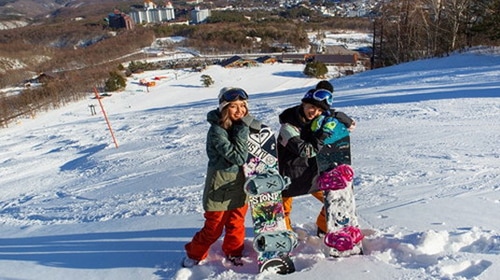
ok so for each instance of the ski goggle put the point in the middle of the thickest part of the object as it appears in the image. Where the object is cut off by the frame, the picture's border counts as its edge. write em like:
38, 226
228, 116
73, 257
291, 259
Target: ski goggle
233, 94
320, 95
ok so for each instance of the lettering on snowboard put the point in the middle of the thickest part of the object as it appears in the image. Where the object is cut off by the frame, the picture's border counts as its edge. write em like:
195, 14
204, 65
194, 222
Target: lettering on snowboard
265, 197
255, 143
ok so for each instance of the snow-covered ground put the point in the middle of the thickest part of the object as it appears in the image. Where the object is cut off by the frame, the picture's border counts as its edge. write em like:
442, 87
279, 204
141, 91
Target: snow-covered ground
426, 156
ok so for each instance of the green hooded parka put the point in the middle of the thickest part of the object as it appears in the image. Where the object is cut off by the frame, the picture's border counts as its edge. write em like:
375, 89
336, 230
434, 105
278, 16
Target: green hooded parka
227, 152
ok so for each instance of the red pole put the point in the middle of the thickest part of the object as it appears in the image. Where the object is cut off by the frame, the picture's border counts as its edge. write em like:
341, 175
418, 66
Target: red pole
105, 116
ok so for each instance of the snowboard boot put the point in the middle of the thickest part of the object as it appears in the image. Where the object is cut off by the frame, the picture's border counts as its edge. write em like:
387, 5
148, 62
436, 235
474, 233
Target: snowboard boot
279, 241
266, 183
320, 233
187, 262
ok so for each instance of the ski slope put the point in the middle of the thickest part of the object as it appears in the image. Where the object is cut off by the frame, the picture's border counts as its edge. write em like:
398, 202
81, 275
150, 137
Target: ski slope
425, 152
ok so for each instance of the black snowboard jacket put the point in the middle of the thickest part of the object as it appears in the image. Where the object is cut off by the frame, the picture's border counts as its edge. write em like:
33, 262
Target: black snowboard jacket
297, 149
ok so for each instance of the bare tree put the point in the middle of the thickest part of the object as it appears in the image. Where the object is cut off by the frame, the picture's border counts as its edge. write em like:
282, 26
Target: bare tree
414, 29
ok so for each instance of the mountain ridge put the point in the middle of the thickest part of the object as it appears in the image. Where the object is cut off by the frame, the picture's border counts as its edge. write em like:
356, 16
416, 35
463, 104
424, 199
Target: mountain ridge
29, 11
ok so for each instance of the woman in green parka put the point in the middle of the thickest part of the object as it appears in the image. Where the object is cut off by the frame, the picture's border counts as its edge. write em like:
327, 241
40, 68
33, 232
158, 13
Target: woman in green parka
224, 200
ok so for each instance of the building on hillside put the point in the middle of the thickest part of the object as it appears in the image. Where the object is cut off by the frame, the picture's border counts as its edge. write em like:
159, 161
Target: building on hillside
153, 14
231, 61
337, 59
199, 16
295, 58
266, 59
41, 78
335, 55
119, 20
237, 61
327, 59
335, 49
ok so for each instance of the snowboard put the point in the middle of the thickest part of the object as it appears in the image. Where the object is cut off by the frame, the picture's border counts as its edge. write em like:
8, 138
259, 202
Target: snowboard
272, 241
335, 179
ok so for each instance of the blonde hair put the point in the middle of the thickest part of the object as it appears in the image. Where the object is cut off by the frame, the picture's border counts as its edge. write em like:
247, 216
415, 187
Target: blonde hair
224, 120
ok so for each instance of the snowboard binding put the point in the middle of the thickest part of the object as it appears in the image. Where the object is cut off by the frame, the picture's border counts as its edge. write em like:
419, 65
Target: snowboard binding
335, 179
282, 265
266, 183
279, 241
344, 239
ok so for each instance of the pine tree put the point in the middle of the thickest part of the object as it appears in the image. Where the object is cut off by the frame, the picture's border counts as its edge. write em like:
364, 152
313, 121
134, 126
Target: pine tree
206, 80
115, 82
315, 69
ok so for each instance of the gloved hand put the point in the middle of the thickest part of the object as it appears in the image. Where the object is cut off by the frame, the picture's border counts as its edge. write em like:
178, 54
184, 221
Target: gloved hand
322, 126
317, 123
251, 122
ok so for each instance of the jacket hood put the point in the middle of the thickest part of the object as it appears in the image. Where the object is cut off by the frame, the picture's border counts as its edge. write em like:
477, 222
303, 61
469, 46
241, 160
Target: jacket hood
213, 116
293, 116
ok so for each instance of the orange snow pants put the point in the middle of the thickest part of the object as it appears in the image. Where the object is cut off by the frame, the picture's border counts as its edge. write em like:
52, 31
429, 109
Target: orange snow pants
215, 221
320, 220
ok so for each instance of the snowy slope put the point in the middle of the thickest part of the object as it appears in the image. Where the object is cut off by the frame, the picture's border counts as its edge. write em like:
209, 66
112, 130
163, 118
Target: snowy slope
425, 153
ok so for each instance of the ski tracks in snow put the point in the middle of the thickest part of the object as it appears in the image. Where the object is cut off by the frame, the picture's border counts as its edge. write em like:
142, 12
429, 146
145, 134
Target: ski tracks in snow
103, 183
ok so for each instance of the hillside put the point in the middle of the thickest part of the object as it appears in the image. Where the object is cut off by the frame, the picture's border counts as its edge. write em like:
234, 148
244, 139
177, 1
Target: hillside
32, 10
28, 9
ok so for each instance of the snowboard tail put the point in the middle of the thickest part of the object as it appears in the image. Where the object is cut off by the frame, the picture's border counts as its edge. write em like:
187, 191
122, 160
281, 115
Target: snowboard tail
280, 265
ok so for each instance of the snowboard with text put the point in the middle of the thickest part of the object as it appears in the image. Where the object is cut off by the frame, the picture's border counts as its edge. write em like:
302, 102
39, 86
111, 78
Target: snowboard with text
273, 242
335, 178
